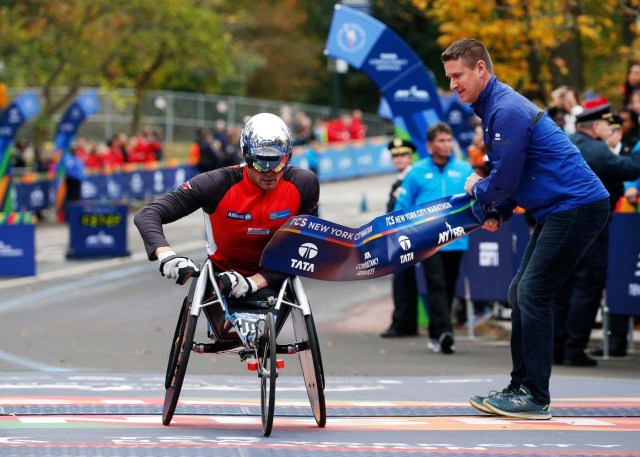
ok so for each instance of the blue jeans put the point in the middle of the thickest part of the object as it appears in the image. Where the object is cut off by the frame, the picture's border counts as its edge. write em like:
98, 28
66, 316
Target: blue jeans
551, 256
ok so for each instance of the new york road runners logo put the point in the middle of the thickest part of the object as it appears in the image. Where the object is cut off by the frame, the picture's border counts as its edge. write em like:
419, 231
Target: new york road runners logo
351, 37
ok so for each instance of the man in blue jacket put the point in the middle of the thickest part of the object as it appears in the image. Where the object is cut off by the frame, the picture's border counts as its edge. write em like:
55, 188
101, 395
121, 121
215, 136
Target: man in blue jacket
438, 175
535, 166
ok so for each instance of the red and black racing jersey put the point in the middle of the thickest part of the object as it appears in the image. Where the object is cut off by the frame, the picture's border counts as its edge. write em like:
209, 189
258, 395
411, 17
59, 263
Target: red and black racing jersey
240, 218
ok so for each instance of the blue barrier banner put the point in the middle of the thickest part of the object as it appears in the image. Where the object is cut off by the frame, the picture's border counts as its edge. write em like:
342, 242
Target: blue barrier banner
17, 244
458, 115
97, 230
320, 249
623, 278
340, 162
404, 81
22, 108
33, 196
489, 264
84, 105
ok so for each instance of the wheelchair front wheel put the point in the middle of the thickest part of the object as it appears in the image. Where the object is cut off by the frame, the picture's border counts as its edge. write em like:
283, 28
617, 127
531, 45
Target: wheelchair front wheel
311, 363
268, 372
178, 366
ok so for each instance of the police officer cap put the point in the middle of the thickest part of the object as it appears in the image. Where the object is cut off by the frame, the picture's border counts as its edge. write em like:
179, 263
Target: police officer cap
597, 113
400, 146
615, 121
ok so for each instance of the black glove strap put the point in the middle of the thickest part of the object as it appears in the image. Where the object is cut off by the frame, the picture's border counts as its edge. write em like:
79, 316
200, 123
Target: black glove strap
227, 285
165, 260
184, 274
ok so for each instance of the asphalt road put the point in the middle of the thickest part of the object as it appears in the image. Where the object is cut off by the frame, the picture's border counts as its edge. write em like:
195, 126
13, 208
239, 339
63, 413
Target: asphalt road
90, 338
119, 314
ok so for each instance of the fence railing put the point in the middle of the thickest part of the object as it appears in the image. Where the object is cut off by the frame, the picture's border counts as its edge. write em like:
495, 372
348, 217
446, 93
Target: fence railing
179, 114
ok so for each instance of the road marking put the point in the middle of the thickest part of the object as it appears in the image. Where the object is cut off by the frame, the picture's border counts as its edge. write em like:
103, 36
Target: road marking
27, 363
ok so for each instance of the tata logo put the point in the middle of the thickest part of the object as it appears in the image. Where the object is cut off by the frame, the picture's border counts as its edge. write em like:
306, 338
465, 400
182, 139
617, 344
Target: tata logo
351, 37
408, 257
405, 242
450, 234
497, 137
308, 250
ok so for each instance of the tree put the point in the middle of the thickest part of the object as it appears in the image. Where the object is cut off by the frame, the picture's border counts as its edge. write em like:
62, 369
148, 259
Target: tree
110, 43
53, 44
167, 40
538, 44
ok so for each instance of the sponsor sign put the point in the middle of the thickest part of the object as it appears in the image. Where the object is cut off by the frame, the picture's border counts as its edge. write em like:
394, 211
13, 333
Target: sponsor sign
17, 244
320, 249
97, 230
623, 277
405, 83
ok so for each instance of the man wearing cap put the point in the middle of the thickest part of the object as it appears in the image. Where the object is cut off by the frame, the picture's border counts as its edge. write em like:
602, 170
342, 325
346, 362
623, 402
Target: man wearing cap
404, 320
577, 303
438, 175
614, 140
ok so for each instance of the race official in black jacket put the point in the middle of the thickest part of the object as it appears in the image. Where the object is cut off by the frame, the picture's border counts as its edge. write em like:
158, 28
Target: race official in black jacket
577, 304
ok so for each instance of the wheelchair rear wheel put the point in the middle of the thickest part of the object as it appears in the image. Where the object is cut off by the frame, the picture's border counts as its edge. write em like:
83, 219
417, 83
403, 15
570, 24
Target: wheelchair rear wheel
311, 363
268, 372
177, 336
178, 361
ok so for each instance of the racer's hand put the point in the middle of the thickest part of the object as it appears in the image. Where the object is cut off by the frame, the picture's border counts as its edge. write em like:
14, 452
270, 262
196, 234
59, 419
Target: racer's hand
175, 267
236, 285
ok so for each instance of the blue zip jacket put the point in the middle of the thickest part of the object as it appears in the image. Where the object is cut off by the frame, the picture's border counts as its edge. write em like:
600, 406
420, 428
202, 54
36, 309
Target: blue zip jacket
427, 182
535, 165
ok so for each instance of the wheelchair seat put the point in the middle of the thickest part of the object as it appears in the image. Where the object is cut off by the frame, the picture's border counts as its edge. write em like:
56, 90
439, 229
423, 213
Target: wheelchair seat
221, 330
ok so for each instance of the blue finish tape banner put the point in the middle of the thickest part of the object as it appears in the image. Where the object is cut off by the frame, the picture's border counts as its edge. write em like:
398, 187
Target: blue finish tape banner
24, 107
319, 249
84, 105
404, 81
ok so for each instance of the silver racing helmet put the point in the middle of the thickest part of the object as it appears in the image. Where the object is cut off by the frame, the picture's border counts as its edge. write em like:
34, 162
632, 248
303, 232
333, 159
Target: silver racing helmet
266, 143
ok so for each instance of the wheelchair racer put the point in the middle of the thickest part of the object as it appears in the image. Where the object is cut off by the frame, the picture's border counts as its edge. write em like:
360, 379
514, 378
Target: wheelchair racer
243, 207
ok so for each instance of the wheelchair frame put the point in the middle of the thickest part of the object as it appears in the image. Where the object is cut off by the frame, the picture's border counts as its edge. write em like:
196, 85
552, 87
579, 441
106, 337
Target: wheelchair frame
204, 295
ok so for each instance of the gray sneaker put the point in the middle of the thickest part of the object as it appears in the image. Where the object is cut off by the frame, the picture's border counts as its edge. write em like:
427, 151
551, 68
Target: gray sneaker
477, 400
519, 404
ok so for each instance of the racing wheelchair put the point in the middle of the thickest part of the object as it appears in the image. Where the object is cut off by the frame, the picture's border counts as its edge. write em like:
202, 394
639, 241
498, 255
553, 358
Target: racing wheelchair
248, 328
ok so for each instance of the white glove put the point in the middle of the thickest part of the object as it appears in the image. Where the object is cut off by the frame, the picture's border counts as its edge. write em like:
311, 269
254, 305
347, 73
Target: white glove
178, 268
236, 285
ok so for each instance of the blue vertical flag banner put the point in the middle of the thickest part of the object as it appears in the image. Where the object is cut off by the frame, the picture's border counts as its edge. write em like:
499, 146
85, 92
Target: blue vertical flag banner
404, 81
320, 249
84, 105
23, 108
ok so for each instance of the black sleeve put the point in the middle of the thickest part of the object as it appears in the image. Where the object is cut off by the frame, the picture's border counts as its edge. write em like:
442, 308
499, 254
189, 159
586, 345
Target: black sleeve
203, 191
309, 188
